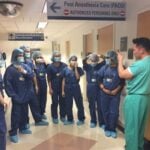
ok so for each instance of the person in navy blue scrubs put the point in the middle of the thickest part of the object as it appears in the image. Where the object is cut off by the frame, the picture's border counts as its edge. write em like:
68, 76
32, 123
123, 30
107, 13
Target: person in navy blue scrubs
16, 80
71, 90
18, 86
33, 103
111, 86
3, 105
91, 65
55, 87
40, 71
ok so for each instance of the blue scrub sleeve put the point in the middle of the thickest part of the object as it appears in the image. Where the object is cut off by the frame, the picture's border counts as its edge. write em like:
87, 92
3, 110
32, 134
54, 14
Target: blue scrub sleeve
8, 86
86, 67
30, 73
48, 71
81, 72
101, 64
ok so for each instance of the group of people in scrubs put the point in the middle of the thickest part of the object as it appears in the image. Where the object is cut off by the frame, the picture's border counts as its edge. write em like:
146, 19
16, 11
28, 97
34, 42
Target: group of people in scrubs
25, 82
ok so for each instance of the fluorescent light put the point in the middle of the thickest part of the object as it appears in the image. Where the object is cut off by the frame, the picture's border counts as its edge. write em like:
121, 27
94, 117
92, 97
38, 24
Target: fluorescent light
45, 8
41, 25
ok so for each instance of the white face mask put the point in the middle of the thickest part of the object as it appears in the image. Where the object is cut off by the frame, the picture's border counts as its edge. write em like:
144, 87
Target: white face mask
57, 59
20, 59
2, 63
39, 60
27, 55
108, 61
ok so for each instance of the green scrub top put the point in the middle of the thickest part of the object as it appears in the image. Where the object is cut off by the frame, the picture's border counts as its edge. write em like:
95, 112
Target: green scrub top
140, 83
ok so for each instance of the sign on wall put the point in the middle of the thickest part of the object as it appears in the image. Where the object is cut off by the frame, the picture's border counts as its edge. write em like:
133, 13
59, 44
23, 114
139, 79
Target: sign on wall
123, 43
26, 37
130, 53
86, 10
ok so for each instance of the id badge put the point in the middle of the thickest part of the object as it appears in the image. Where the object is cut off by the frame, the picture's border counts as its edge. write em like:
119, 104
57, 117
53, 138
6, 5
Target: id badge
93, 80
41, 74
21, 79
58, 74
109, 80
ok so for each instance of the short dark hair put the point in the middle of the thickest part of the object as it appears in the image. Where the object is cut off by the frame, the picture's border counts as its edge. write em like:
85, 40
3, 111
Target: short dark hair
144, 42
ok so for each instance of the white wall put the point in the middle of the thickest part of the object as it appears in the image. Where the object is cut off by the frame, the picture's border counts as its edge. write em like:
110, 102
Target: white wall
121, 28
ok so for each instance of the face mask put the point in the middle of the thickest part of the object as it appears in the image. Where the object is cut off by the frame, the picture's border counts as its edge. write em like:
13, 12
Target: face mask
39, 60
20, 59
57, 59
27, 55
2, 63
108, 61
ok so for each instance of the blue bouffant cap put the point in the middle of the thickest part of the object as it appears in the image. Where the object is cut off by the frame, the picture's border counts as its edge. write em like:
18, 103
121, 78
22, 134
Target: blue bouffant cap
16, 52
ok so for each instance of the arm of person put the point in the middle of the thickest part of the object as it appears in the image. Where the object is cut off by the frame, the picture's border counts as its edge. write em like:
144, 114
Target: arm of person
63, 87
49, 74
104, 89
116, 90
8, 79
26, 71
86, 63
4, 102
123, 73
50, 87
35, 84
76, 72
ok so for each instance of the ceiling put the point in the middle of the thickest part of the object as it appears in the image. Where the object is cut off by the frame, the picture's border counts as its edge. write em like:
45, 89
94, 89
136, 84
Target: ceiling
27, 22
30, 15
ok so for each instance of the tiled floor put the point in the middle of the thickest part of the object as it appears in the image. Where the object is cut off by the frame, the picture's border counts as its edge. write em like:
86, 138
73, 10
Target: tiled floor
63, 141
60, 137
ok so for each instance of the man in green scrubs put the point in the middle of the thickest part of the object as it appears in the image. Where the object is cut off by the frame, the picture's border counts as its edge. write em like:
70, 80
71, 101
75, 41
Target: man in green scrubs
137, 101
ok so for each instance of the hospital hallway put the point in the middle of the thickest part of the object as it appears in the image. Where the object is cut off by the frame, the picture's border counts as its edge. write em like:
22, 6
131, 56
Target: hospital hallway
66, 137
74, 47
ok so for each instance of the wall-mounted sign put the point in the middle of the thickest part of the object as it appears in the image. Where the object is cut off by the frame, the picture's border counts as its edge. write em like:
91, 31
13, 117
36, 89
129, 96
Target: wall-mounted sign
130, 53
123, 44
86, 10
26, 37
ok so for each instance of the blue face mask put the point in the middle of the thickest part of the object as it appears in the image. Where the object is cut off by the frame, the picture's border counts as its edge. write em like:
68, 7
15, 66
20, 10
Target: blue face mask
108, 61
20, 59
27, 55
2, 63
57, 59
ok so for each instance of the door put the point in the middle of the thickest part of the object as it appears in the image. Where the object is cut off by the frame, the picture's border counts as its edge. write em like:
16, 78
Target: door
105, 39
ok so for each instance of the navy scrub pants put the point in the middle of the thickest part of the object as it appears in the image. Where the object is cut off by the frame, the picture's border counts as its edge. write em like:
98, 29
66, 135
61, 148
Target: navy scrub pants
94, 99
110, 110
74, 91
57, 99
2, 129
42, 96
